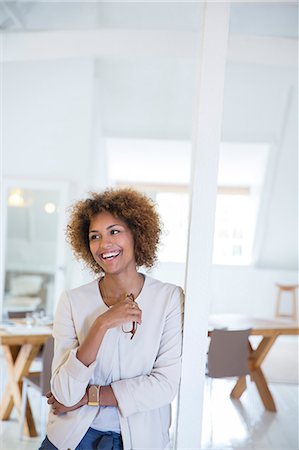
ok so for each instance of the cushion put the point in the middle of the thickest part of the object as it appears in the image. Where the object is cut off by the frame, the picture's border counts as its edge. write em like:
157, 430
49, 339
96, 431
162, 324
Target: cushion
25, 284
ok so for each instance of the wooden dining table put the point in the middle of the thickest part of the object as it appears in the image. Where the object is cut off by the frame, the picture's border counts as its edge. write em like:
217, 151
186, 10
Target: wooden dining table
269, 330
20, 345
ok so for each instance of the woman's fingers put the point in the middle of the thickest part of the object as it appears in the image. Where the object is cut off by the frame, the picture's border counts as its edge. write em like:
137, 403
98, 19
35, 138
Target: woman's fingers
127, 310
137, 316
134, 313
56, 408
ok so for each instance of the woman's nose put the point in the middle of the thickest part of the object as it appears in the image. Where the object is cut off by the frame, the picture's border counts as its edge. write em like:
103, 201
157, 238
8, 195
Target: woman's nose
105, 242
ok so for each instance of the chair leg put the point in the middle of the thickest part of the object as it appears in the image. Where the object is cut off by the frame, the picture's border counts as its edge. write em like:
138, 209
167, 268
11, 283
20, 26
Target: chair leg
23, 408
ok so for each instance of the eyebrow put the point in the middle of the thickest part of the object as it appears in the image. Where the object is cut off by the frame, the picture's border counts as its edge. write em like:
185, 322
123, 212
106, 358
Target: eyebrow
108, 228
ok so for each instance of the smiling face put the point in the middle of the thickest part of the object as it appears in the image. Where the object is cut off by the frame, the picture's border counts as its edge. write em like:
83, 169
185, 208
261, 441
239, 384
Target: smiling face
111, 243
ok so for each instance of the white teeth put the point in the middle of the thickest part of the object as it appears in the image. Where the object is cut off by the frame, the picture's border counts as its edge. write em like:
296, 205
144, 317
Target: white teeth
109, 255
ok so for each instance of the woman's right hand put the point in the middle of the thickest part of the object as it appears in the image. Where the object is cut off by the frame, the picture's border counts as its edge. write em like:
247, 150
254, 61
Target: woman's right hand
126, 310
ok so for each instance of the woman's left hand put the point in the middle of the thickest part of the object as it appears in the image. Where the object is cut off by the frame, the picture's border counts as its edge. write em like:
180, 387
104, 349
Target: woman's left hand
59, 408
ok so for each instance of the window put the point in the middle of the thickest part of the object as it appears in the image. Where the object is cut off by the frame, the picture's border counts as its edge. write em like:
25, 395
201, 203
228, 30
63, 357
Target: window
234, 227
174, 211
173, 207
242, 168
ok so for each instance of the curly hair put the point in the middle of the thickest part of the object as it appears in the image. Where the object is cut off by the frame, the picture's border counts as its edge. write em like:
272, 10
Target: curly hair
134, 208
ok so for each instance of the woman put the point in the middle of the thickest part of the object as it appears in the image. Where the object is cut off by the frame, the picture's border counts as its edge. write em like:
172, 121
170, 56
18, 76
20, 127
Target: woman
116, 365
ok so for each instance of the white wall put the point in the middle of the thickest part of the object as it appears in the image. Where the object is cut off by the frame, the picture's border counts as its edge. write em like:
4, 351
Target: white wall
261, 105
279, 222
47, 107
240, 290
247, 290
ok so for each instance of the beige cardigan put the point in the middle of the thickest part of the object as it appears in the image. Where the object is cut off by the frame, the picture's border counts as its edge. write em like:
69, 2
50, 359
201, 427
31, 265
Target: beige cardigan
146, 369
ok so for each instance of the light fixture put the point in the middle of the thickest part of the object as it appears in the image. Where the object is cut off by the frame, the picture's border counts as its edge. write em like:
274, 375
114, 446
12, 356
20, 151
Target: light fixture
50, 208
16, 198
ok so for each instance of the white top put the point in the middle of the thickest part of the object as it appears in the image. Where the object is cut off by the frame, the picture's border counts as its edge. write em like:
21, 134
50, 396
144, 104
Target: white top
107, 418
146, 373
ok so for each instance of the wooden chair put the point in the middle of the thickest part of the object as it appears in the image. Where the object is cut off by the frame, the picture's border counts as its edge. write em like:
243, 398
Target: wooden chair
228, 354
284, 289
227, 357
41, 382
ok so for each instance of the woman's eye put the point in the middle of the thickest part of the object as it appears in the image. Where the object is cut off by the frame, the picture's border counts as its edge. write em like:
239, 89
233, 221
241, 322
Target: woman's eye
93, 237
114, 231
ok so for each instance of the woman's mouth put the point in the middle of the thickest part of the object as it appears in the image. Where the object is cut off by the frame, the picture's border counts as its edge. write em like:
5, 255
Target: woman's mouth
107, 256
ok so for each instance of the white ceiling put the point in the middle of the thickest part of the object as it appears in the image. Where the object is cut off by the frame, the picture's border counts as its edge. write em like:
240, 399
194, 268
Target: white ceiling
145, 84
255, 18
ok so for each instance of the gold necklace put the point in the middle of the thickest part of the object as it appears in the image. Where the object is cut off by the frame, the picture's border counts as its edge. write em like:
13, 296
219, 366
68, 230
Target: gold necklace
131, 296
107, 297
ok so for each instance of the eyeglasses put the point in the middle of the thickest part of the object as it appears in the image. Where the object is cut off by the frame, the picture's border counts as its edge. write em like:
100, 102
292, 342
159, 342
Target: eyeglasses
134, 324
132, 331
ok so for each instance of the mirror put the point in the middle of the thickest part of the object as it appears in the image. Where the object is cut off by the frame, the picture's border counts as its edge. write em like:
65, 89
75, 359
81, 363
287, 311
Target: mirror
32, 227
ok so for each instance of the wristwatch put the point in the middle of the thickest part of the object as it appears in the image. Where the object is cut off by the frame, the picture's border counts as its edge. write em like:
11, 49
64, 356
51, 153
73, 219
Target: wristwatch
93, 395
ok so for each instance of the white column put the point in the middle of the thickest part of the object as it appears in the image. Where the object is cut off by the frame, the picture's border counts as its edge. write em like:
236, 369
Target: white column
207, 133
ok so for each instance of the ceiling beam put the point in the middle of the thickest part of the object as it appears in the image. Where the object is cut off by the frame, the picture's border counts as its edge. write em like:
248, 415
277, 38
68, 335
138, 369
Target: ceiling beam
12, 12
142, 44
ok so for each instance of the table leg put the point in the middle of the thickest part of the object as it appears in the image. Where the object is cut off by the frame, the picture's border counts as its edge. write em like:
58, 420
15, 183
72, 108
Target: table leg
239, 388
13, 393
7, 404
256, 357
262, 387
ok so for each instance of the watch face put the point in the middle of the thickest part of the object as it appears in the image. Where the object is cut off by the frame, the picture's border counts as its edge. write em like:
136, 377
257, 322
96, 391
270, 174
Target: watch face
93, 394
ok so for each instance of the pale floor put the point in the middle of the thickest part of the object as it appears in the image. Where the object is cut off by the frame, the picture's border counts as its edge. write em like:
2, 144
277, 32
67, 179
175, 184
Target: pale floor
227, 424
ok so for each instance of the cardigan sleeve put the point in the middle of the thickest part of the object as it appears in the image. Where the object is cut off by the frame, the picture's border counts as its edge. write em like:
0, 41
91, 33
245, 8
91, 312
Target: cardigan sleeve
70, 376
159, 388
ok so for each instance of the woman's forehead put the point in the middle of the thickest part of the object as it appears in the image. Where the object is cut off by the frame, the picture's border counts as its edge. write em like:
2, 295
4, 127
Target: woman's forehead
105, 218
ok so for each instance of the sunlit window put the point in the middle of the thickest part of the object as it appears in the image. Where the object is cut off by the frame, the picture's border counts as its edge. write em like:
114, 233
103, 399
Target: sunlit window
174, 211
172, 203
234, 224
234, 228
241, 173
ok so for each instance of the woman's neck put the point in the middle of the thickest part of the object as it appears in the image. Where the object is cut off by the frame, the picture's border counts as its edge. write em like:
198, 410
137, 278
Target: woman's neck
114, 287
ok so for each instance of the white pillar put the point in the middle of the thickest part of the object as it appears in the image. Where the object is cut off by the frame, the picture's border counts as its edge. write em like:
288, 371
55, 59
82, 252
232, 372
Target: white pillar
207, 134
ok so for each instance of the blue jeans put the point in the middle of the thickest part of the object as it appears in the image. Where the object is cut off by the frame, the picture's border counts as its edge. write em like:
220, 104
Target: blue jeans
92, 440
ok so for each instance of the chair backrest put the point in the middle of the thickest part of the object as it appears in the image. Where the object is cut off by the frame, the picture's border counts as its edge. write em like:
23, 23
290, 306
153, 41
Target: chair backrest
47, 357
228, 353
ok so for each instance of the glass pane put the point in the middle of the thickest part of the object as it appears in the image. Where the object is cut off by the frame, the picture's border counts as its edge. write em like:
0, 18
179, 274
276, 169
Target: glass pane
31, 250
174, 210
